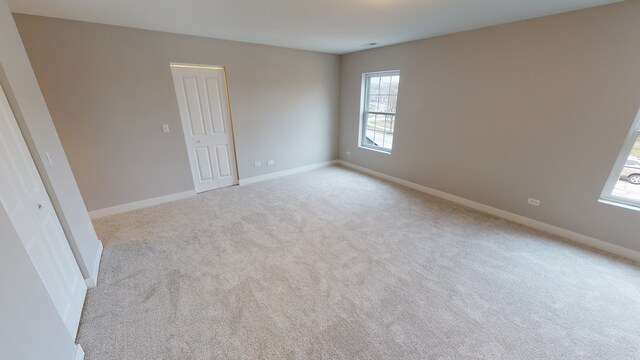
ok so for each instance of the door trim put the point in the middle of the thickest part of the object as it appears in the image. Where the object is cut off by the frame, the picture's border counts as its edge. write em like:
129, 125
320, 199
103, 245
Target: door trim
92, 281
226, 89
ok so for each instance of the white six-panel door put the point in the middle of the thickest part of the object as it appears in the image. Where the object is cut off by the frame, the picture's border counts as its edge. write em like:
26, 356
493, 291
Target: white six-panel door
25, 199
206, 121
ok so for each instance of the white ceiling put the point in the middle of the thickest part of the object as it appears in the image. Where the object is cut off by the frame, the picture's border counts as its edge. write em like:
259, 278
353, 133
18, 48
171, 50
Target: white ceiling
334, 26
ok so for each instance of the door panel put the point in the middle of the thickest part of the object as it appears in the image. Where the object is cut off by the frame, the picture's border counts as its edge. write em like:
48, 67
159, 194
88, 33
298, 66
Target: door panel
204, 164
27, 203
192, 97
204, 111
222, 152
215, 102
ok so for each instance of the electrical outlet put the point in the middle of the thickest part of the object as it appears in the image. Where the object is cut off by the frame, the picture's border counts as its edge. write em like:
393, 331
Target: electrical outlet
348, 153
165, 128
270, 162
257, 164
534, 202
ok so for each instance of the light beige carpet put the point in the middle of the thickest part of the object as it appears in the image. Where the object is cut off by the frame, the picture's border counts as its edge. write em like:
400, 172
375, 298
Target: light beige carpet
333, 264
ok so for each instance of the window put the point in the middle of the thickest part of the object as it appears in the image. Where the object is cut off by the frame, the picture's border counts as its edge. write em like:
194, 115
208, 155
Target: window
377, 124
623, 186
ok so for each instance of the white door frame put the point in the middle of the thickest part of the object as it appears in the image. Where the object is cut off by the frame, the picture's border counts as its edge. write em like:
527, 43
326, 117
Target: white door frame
228, 108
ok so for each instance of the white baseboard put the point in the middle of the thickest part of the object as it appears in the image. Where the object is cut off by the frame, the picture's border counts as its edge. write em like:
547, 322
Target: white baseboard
141, 204
79, 353
92, 281
187, 194
534, 224
275, 175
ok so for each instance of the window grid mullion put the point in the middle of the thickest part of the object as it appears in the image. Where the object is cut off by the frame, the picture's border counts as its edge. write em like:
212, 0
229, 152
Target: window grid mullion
384, 131
381, 113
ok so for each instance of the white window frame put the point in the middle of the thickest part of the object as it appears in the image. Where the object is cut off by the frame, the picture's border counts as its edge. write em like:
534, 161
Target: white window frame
364, 100
607, 196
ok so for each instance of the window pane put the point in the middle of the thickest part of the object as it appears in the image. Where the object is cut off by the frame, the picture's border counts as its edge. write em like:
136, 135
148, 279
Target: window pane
379, 131
381, 91
393, 99
383, 103
385, 85
371, 131
395, 82
374, 103
387, 123
628, 184
374, 85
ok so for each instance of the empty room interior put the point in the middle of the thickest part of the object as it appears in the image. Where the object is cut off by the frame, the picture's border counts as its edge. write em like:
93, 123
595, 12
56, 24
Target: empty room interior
355, 179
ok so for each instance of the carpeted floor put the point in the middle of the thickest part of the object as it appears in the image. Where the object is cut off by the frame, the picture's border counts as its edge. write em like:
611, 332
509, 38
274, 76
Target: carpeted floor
333, 264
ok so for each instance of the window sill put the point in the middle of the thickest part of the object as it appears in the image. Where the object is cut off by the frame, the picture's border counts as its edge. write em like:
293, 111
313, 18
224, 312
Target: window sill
387, 152
620, 203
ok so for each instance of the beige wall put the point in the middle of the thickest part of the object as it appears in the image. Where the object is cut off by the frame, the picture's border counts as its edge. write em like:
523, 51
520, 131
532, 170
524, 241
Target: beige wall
538, 109
109, 90
30, 109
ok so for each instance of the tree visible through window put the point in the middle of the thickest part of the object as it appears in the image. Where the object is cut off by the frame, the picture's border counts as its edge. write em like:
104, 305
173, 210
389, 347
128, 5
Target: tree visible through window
379, 110
624, 182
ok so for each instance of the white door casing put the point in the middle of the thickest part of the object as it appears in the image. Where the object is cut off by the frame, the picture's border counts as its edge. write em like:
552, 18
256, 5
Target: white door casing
206, 121
25, 199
